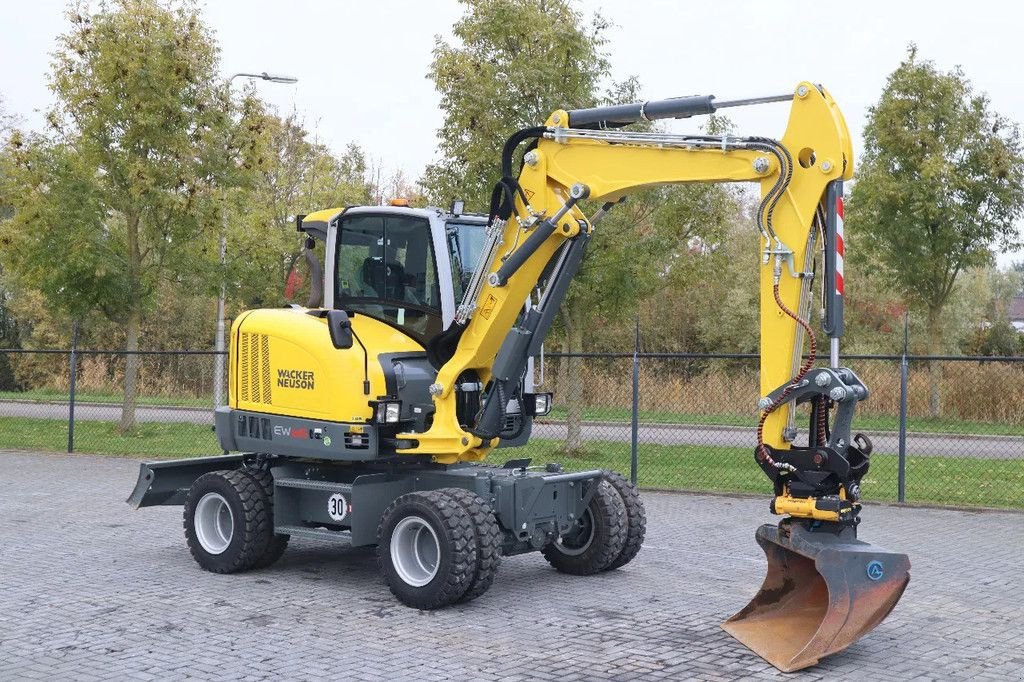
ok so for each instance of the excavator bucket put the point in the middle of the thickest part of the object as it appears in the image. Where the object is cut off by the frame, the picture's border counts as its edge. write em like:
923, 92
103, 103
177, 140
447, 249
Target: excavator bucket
823, 592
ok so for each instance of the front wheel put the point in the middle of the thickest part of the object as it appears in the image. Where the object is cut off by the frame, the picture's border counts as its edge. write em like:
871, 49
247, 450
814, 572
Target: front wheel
427, 549
226, 521
275, 544
596, 540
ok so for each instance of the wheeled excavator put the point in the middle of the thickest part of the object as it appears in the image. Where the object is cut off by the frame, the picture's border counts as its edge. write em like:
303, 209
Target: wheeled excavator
365, 417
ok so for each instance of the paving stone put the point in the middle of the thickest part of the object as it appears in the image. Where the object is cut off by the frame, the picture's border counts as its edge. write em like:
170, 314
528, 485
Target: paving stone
90, 589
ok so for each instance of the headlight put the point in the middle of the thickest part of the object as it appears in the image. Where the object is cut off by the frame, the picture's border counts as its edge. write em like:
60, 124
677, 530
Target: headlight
388, 412
537, 404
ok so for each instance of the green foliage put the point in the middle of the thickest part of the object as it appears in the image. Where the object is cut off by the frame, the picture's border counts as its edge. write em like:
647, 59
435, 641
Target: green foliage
941, 181
124, 187
991, 332
997, 338
292, 173
112, 218
515, 62
1018, 268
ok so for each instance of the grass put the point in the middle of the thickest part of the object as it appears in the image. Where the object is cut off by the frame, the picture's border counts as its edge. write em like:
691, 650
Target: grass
862, 422
612, 414
149, 440
933, 480
48, 395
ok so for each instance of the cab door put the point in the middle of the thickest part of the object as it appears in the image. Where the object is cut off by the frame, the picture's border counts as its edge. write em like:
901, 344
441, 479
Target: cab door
385, 266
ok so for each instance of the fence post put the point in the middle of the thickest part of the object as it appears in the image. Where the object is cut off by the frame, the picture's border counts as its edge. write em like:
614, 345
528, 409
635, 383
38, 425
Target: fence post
901, 485
71, 392
635, 421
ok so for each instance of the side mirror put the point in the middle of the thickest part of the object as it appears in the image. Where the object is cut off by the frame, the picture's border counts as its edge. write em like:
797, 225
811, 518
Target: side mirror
340, 327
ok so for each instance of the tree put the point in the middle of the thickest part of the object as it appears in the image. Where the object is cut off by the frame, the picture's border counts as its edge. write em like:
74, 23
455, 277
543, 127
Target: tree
1018, 268
125, 187
517, 61
940, 183
291, 173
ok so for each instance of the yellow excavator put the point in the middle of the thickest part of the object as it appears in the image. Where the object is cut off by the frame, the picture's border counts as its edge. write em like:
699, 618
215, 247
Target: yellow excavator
364, 418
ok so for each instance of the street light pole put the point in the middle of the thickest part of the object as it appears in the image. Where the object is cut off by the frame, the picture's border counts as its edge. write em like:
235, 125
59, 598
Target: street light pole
218, 362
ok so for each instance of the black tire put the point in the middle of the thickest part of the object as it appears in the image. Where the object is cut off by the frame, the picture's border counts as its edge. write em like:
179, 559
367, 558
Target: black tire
275, 544
598, 538
451, 538
243, 499
488, 541
636, 518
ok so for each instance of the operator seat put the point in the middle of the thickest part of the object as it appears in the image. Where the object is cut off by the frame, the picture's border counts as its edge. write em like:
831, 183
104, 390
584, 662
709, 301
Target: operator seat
386, 279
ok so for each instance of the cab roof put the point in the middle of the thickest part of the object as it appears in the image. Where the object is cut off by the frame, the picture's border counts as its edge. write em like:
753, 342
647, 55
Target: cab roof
318, 222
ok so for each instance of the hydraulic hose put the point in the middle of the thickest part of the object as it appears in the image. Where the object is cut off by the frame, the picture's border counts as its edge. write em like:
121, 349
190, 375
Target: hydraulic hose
505, 191
766, 209
822, 425
762, 450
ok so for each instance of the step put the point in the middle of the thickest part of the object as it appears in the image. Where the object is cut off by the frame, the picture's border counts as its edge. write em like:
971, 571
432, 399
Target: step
337, 536
307, 484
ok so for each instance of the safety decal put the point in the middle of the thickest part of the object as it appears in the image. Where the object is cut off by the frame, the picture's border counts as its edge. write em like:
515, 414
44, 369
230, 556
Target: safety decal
840, 246
337, 507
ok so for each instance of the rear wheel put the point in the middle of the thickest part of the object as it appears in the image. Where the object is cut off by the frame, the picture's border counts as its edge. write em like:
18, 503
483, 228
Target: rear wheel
636, 518
226, 521
488, 541
275, 544
596, 540
426, 549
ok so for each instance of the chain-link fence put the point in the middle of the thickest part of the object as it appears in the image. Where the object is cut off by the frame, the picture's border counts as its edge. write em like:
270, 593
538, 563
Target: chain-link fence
63, 400
959, 441
675, 421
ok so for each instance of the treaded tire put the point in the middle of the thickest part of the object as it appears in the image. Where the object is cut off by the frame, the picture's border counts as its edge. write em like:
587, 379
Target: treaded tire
601, 538
249, 521
275, 544
456, 548
488, 540
636, 518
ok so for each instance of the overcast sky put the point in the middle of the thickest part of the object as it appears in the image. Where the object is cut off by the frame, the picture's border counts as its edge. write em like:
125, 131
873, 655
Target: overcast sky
362, 65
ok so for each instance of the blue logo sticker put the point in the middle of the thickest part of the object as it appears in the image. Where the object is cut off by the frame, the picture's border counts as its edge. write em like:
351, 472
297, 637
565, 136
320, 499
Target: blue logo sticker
875, 570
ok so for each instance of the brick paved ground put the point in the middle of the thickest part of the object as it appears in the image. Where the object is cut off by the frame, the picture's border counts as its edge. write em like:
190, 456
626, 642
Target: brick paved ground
90, 589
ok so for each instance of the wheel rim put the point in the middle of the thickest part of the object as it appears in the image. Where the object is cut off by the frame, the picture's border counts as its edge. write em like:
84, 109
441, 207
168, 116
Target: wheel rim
577, 542
214, 523
415, 551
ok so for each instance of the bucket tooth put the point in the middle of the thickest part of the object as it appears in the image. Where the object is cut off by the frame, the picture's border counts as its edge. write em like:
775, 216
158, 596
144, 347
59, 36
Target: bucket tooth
824, 590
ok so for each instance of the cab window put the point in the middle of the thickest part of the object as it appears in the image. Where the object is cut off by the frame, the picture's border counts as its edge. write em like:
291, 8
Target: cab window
465, 241
386, 269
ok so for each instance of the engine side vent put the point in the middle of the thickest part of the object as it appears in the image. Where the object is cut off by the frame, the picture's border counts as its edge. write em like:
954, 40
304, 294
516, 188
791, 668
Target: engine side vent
254, 357
265, 367
243, 369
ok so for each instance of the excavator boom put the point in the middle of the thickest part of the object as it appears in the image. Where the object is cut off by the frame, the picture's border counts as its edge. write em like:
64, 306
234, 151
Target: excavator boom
824, 588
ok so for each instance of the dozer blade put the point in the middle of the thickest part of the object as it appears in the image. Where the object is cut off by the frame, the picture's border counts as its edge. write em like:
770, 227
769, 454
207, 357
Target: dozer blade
824, 591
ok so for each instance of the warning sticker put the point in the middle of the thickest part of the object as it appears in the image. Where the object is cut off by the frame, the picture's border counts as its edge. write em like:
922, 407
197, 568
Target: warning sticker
488, 307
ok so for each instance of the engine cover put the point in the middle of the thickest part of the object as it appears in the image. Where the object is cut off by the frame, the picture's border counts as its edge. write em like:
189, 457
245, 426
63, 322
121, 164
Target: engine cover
282, 362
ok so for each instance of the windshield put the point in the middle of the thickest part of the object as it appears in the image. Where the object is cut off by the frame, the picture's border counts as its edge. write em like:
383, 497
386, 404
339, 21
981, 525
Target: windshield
386, 269
466, 241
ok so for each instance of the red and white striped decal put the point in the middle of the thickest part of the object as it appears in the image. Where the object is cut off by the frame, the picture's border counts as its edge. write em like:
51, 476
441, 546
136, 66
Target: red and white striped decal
840, 246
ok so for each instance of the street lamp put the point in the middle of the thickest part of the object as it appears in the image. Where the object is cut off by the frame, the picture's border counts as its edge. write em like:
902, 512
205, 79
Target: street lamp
264, 76
218, 366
